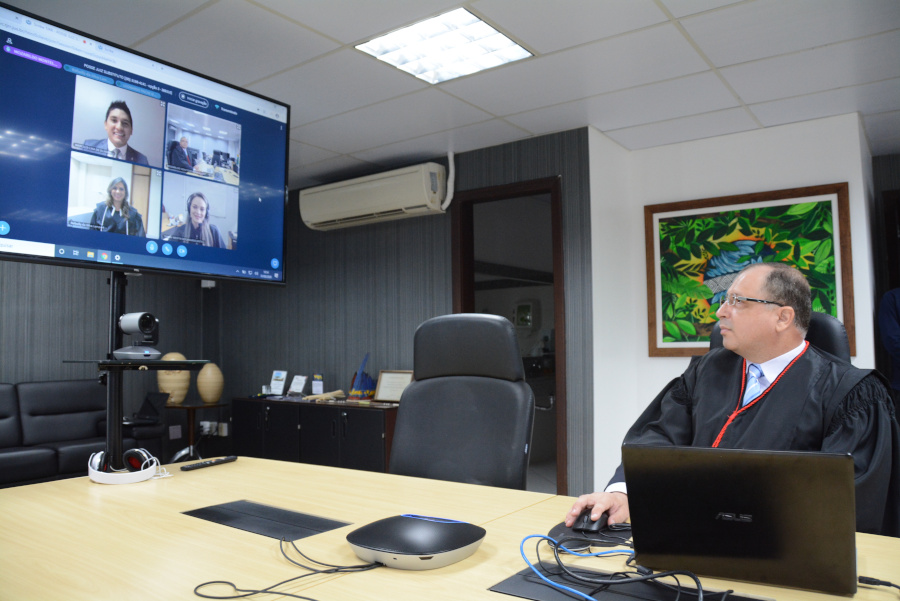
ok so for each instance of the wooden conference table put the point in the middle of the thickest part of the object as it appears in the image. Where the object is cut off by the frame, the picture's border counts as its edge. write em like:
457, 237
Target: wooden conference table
75, 539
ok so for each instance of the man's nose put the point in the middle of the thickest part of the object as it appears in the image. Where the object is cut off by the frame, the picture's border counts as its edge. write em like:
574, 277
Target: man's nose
721, 310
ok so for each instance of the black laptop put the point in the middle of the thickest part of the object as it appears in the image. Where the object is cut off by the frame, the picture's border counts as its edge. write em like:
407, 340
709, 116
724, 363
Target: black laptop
784, 518
150, 412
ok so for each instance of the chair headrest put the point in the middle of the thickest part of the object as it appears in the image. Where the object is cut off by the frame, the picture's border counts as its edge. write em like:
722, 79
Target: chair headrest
825, 333
467, 344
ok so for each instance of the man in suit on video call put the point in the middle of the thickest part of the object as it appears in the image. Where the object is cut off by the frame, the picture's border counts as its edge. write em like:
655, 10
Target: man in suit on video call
119, 127
180, 157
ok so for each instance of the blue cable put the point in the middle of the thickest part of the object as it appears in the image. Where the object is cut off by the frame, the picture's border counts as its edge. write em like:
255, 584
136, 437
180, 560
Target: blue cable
556, 584
429, 518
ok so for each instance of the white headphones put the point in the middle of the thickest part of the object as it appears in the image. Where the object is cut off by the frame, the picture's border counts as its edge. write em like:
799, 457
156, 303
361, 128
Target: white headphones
140, 464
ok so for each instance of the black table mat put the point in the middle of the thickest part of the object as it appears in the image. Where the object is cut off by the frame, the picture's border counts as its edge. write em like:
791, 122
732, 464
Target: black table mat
527, 585
266, 520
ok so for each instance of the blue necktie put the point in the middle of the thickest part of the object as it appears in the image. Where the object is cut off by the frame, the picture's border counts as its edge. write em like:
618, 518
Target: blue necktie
753, 386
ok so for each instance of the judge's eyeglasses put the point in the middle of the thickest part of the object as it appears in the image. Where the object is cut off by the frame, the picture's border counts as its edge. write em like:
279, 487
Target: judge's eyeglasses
736, 301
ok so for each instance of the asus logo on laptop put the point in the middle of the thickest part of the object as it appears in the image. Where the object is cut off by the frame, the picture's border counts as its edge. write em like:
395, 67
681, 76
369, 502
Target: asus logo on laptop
734, 517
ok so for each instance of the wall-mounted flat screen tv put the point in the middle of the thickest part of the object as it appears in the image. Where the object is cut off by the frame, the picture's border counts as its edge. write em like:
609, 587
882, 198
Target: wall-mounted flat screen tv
114, 160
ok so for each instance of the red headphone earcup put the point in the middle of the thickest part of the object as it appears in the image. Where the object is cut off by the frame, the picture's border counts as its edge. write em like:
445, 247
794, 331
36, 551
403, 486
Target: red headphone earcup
136, 459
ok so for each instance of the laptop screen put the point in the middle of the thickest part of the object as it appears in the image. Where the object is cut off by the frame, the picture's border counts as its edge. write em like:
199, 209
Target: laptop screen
152, 407
775, 517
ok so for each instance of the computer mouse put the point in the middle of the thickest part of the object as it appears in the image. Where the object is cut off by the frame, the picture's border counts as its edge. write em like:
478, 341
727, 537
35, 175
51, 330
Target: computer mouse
584, 523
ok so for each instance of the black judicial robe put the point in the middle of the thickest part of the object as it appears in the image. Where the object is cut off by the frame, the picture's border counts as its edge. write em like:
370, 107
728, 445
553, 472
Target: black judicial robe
818, 403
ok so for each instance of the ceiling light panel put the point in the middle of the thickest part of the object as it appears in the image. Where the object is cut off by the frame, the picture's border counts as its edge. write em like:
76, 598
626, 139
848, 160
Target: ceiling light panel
451, 45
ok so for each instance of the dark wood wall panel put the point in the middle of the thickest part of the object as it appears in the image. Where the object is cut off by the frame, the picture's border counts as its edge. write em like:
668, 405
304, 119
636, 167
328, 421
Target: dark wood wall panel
49, 314
350, 291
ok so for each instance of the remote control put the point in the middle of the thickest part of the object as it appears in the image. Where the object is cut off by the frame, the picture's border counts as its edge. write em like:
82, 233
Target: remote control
208, 462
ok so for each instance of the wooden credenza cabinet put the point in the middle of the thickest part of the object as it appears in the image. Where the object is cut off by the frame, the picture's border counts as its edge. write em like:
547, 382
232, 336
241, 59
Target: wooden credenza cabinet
341, 434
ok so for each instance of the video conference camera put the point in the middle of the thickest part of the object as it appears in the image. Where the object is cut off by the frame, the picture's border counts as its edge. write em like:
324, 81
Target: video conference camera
139, 324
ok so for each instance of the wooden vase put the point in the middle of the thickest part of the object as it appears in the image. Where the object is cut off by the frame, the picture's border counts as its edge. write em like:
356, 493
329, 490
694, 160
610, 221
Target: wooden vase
210, 383
175, 381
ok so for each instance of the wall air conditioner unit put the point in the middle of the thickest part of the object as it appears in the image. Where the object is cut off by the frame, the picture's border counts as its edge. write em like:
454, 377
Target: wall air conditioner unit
407, 192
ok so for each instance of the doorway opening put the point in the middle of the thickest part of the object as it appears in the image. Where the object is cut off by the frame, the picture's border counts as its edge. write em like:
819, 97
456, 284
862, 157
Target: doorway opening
507, 260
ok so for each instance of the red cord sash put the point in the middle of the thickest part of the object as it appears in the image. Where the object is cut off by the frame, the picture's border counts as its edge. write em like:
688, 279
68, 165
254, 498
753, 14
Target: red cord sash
741, 408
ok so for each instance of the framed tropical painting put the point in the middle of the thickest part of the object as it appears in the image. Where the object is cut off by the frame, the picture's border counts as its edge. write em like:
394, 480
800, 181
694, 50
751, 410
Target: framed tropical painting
696, 248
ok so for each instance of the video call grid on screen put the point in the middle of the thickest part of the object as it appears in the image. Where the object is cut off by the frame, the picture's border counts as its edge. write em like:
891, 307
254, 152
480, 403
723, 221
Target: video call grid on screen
231, 147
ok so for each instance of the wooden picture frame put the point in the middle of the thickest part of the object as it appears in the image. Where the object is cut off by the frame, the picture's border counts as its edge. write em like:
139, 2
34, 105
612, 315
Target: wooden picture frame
695, 248
391, 384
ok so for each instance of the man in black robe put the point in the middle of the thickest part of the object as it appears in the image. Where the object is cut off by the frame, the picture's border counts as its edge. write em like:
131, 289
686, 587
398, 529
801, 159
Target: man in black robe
807, 400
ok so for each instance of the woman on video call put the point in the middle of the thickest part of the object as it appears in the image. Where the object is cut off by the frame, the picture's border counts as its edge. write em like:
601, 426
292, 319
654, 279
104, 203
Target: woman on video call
198, 229
115, 214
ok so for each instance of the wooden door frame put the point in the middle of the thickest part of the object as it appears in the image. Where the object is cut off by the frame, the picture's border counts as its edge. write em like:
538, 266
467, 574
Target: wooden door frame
463, 258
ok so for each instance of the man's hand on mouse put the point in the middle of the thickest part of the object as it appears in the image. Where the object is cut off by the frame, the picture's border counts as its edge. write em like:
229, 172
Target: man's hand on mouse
613, 503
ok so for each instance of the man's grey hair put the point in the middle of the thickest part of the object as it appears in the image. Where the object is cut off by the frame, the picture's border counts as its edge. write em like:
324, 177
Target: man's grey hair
786, 285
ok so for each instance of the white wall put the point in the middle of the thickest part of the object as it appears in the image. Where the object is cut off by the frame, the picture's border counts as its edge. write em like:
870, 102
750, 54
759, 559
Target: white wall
804, 154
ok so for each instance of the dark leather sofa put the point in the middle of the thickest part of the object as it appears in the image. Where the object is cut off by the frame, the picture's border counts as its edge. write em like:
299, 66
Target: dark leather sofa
48, 430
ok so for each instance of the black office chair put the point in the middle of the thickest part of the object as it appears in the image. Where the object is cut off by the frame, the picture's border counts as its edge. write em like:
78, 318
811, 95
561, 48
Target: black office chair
172, 145
468, 414
825, 332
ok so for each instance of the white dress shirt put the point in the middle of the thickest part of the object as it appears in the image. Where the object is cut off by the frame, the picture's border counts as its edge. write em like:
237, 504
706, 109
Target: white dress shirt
115, 152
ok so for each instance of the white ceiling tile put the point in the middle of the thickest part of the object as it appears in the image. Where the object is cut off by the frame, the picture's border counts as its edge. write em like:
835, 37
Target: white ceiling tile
614, 64
865, 99
765, 28
472, 137
336, 83
391, 121
537, 23
330, 170
352, 21
685, 129
299, 181
682, 8
884, 125
629, 60
271, 45
882, 147
559, 117
106, 19
833, 66
303, 154
645, 104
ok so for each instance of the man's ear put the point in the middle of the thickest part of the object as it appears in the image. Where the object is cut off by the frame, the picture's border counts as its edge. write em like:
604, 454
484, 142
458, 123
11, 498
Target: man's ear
785, 318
